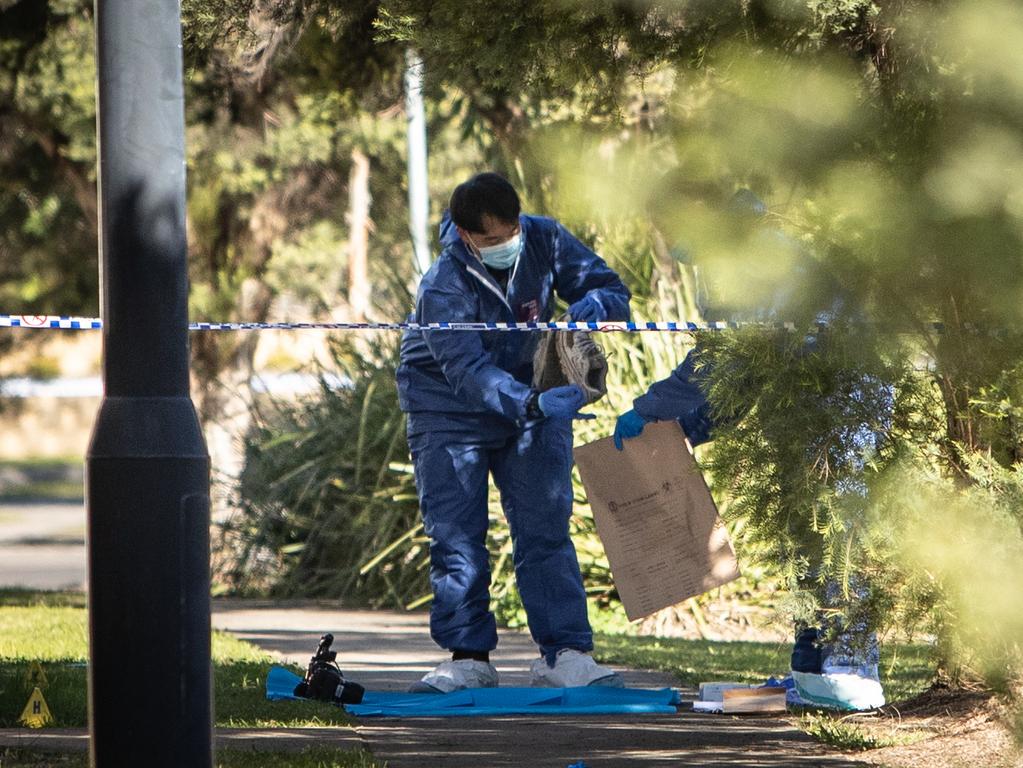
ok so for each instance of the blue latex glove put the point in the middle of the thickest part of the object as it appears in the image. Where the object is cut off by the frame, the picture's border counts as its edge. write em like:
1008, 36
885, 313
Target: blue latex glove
564, 403
629, 425
587, 310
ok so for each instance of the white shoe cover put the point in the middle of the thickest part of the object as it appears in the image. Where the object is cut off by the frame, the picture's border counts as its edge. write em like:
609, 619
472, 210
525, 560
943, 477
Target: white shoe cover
456, 676
573, 669
840, 688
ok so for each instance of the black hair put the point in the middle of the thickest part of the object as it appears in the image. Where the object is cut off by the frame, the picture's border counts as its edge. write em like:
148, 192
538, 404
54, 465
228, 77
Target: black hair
484, 194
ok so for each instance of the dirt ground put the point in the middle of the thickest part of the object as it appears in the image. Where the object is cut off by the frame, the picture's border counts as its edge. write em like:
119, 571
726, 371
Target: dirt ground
943, 728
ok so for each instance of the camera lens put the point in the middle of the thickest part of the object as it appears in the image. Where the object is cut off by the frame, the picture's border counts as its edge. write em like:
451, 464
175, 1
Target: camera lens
349, 693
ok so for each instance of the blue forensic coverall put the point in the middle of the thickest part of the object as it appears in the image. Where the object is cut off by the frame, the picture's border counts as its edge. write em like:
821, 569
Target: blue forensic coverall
465, 393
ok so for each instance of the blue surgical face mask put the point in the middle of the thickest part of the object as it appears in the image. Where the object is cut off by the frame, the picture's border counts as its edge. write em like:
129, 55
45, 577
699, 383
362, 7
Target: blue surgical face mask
502, 255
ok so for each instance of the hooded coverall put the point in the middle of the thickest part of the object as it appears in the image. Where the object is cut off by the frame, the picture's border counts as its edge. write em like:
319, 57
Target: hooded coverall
466, 393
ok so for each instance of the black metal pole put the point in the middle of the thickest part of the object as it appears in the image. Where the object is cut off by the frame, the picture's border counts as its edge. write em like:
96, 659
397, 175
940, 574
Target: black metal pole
147, 464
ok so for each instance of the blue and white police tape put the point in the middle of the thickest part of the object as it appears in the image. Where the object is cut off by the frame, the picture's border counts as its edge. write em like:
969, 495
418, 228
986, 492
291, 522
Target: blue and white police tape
72, 323
95, 323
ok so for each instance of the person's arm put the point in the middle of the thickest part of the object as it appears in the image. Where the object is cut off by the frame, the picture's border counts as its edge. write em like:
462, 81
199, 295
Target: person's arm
680, 397
583, 279
465, 363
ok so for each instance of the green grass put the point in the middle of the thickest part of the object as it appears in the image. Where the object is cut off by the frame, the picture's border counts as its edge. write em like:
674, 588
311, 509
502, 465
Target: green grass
57, 490
48, 480
44, 463
52, 629
317, 757
19, 596
842, 732
695, 661
906, 669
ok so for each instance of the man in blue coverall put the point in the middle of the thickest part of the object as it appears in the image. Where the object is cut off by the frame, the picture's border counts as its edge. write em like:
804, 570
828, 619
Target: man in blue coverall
472, 412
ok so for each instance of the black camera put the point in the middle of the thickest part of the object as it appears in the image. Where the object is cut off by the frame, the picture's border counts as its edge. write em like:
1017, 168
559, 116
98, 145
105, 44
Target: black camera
323, 679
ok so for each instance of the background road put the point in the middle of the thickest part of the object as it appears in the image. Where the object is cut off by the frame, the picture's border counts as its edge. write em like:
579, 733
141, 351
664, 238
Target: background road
42, 545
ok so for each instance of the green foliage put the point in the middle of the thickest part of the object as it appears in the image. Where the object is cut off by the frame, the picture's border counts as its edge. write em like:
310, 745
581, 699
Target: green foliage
51, 626
545, 46
205, 25
275, 103
43, 368
999, 406
326, 494
47, 159
801, 425
961, 544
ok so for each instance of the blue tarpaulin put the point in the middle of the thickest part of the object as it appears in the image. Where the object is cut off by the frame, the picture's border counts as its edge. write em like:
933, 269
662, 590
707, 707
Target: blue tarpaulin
594, 700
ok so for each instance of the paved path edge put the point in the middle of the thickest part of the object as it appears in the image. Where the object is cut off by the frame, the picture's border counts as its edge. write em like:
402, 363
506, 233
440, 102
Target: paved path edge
254, 739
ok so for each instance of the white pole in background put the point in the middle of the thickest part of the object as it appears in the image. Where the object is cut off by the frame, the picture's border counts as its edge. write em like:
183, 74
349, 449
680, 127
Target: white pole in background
418, 189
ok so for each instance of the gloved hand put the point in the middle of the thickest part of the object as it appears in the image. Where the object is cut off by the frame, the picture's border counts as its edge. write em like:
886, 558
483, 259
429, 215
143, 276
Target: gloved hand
564, 403
629, 425
587, 310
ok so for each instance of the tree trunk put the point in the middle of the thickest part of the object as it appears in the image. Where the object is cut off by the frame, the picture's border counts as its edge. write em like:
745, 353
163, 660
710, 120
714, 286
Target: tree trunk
223, 394
418, 187
358, 238
668, 271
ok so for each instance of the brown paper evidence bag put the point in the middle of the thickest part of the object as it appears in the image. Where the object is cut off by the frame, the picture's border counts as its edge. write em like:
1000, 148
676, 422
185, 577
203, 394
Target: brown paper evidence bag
659, 525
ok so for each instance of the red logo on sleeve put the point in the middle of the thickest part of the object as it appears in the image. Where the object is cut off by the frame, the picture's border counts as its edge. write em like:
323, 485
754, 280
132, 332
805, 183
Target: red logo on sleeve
528, 312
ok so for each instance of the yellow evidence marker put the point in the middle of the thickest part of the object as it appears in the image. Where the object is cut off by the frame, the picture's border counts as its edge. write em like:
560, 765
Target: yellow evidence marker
35, 676
36, 713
